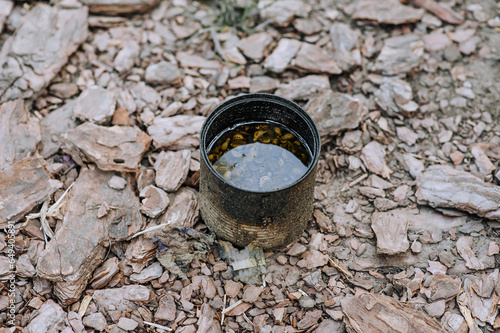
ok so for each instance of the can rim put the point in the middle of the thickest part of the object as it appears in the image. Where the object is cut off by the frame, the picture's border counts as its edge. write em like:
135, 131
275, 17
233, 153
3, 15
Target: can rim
246, 98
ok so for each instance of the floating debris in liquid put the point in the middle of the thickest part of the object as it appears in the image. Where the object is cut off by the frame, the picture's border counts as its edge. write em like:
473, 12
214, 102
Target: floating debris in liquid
259, 156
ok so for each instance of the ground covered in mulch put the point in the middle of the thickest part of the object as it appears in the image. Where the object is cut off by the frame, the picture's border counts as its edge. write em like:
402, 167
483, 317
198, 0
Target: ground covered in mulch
101, 104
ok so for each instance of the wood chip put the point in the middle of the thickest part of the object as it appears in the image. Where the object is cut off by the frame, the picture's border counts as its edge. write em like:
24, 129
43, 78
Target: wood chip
255, 45
391, 232
54, 127
37, 51
79, 246
282, 12
441, 10
345, 43
119, 7
5, 10
172, 169
177, 132
444, 186
19, 133
372, 156
281, 56
303, 88
388, 12
379, 313
23, 185
96, 105
50, 316
335, 112
111, 148
399, 55
314, 59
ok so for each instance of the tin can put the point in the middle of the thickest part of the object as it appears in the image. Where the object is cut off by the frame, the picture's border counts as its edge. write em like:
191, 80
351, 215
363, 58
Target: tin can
269, 219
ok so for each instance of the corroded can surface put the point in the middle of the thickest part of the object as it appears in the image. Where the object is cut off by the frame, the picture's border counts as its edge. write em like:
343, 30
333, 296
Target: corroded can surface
265, 219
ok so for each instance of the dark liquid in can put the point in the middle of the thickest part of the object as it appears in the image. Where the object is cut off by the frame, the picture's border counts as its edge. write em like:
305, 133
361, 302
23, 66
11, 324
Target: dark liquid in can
259, 156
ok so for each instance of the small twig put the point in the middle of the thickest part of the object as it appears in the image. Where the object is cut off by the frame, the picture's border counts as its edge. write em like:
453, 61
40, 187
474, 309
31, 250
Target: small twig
217, 46
47, 231
84, 305
54, 209
461, 298
362, 177
223, 313
158, 326
156, 227
247, 319
340, 269
232, 306
428, 159
303, 292
45, 212
261, 25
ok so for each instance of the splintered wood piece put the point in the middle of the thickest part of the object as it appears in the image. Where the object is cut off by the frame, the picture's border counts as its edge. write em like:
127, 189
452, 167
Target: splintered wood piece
19, 133
111, 148
441, 186
79, 245
381, 314
23, 185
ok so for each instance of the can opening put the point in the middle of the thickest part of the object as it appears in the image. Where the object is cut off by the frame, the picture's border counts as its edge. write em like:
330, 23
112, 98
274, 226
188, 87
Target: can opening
257, 109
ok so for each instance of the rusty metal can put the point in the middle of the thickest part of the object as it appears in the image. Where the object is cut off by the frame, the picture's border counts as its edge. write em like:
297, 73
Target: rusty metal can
268, 219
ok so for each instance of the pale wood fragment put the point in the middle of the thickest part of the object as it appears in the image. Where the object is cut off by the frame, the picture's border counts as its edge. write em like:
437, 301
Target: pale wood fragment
381, 314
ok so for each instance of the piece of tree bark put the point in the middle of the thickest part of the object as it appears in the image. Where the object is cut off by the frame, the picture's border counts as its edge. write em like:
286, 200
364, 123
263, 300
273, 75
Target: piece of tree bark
444, 187
172, 169
335, 112
117, 148
79, 245
39, 48
441, 10
54, 126
373, 155
391, 232
120, 7
23, 185
19, 133
177, 132
382, 314
387, 12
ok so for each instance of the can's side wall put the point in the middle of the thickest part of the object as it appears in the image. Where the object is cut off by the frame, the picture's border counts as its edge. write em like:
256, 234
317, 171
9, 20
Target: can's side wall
267, 220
